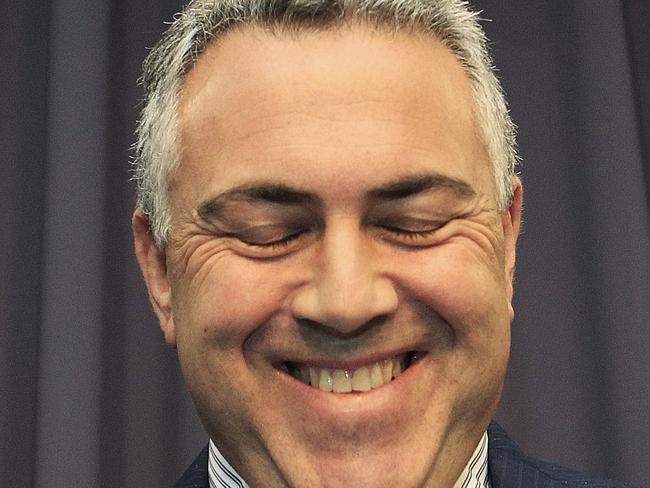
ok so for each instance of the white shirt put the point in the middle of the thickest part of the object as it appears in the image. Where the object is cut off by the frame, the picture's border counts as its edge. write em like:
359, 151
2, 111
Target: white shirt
474, 475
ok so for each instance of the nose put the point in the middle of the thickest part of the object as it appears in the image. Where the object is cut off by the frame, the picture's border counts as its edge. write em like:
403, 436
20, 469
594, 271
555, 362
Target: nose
346, 289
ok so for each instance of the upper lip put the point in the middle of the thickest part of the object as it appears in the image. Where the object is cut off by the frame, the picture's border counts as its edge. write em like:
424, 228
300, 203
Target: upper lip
348, 363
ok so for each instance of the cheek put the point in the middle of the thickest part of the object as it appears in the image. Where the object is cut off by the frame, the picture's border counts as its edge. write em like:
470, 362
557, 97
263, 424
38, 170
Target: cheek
226, 300
465, 288
217, 309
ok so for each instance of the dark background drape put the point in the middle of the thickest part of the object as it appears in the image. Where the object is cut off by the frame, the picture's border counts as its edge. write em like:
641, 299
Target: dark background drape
90, 396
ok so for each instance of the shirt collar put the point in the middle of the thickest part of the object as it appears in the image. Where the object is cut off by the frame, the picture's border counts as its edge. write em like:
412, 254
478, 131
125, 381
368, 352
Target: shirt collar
474, 475
220, 473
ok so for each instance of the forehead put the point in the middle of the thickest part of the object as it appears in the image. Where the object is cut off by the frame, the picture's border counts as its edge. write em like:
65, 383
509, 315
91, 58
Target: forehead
335, 98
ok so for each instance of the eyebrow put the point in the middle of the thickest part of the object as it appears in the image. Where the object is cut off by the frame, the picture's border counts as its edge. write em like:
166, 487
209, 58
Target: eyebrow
260, 193
417, 184
274, 193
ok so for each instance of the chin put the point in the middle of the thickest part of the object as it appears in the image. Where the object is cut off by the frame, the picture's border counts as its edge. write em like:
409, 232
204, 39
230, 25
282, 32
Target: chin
387, 466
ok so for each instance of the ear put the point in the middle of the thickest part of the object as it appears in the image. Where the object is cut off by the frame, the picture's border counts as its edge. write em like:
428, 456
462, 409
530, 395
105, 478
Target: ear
511, 222
153, 264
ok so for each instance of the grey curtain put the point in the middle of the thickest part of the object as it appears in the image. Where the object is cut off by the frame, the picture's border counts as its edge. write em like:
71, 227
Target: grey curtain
90, 396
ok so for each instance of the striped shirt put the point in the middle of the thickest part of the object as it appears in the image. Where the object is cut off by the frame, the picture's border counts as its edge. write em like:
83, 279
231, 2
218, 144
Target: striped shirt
475, 474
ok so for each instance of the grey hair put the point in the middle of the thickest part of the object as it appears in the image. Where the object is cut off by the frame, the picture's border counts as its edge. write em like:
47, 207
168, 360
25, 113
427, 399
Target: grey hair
452, 22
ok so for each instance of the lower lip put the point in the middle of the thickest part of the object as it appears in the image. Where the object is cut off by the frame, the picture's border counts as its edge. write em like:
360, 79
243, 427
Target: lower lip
377, 401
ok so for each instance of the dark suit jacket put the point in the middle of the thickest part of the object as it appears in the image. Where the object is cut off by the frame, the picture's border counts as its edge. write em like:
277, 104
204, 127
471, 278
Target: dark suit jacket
509, 468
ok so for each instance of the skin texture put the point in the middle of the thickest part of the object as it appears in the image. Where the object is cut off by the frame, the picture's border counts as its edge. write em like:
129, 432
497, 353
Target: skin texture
334, 207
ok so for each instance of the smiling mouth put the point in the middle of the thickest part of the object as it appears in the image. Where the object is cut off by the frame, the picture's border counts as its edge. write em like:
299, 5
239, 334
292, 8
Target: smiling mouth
359, 379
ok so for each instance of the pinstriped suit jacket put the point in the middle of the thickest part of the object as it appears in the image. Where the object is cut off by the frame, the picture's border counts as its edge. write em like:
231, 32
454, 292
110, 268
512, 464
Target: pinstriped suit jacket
509, 468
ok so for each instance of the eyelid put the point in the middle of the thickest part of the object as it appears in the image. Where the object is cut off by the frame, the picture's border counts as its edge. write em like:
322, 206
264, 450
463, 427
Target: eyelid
411, 234
288, 239
402, 230
288, 235
411, 224
397, 233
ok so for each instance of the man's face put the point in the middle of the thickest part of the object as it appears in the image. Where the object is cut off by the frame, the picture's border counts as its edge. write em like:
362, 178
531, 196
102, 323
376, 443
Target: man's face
334, 221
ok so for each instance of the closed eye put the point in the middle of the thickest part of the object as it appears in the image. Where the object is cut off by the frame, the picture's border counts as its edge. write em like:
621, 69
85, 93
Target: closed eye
412, 234
271, 241
274, 243
420, 235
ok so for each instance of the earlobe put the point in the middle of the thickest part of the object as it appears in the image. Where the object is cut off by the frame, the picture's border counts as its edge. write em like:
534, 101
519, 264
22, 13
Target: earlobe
153, 264
511, 222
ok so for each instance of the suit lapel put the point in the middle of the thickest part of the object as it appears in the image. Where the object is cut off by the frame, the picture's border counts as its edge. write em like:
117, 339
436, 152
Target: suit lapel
196, 475
508, 468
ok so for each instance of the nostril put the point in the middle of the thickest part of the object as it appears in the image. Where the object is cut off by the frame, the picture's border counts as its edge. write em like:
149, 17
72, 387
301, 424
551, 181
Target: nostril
343, 305
335, 329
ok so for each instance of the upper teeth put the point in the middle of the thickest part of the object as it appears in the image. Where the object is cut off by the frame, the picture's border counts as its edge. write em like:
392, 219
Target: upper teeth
346, 380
